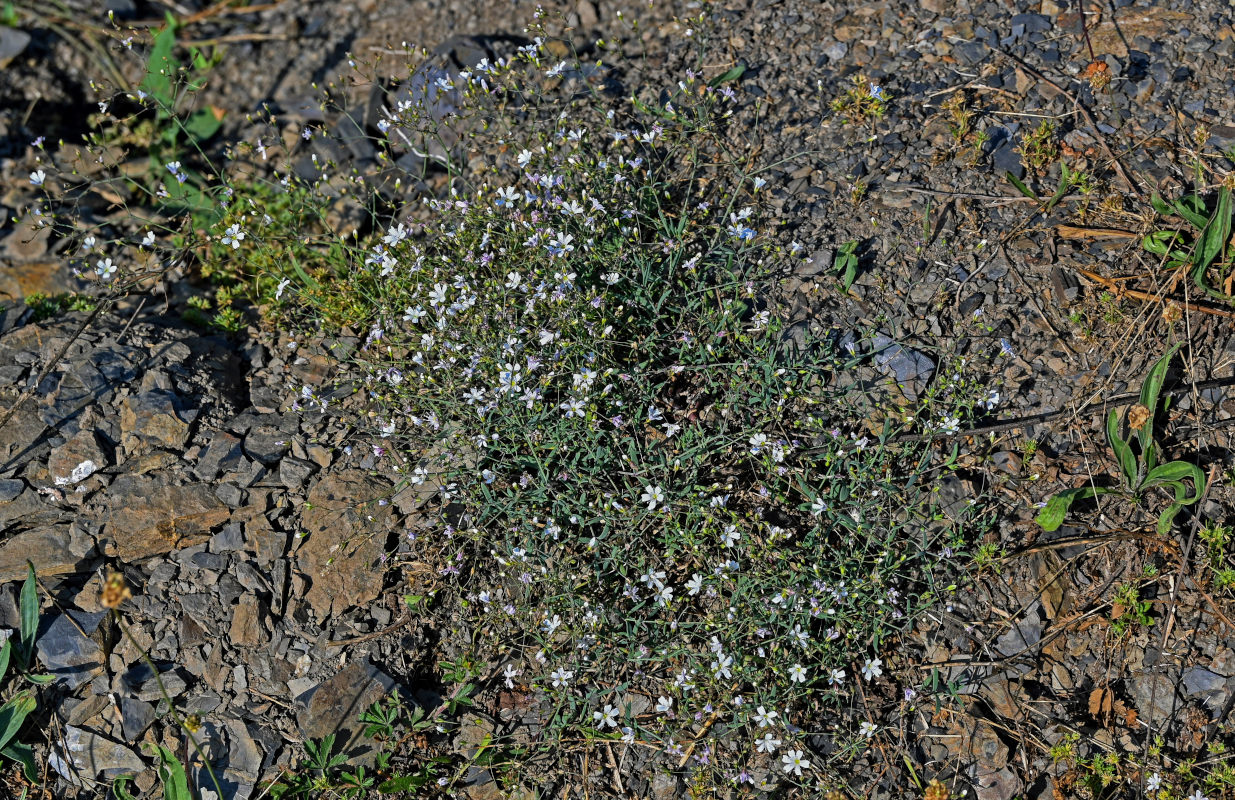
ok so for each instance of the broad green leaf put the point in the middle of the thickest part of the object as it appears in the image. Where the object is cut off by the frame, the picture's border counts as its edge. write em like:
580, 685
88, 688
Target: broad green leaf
13, 714
1052, 515
1160, 205
119, 787
172, 776
23, 754
1168, 516
1123, 453
1160, 242
1020, 186
1191, 209
847, 263
1173, 473
728, 76
161, 67
202, 124
1213, 242
29, 614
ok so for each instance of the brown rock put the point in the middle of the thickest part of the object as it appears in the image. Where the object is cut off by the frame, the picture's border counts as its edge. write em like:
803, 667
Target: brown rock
247, 629
344, 537
335, 705
1113, 35
76, 459
48, 548
142, 518
150, 419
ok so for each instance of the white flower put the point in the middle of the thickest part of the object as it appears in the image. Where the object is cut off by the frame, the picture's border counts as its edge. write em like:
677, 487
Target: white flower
652, 495
510, 674
438, 295
764, 717
694, 584
525, 158
37, 177
1153, 782
87, 244
797, 673
233, 236
573, 407
872, 669
513, 279
395, 235
950, 425
818, 507
757, 442
283, 284
867, 729
795, 762
413, 314
148, 239
105, 269
990, 401
664, 595
606, 718
628, 735
720, 667
664, 704
836, 678
730, 536
1197, 796
561, 676
767, 744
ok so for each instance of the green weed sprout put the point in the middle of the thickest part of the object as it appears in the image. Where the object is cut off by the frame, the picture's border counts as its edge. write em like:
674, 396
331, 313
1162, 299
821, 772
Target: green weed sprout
1137, 454
1205, 249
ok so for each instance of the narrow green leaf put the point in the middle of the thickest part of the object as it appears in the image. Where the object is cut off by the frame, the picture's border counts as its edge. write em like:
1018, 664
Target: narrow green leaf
1150, 390
1213, 242
728, 76
1123, 453
1160, 205
119, 787
1059, 195
1020, 186
1168, 516
304, 276
6, 652
29, 614
1160, 242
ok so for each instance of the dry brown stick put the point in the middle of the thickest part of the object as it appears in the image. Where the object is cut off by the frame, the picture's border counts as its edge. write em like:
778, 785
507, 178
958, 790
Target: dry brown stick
1119, 168
1147, 297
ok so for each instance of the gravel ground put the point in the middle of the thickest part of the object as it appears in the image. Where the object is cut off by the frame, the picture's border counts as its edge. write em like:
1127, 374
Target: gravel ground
954, 263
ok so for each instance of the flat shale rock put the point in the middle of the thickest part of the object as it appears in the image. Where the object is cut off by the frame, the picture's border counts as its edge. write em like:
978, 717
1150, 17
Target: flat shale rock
143, 518
92, 755
342, 547
334, 705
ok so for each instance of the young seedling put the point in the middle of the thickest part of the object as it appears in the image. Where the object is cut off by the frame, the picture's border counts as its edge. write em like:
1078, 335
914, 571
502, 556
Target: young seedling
1137, 454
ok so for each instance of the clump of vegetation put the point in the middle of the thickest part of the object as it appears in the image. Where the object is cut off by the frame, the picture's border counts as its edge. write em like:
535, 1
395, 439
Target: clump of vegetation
864, 102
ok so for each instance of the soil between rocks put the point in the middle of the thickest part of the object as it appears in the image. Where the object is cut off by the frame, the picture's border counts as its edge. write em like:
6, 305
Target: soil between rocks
205, 468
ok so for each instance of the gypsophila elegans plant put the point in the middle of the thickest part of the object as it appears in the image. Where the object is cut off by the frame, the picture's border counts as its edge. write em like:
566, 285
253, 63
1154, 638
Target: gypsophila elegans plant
644, 508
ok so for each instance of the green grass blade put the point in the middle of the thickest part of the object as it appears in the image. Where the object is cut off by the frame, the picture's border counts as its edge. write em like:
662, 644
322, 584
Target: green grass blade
13, 714
29, 614
1150, 391
1020, 186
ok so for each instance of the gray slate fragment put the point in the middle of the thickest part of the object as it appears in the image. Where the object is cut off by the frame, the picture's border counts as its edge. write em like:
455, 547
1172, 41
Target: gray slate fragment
13, 43
228, 540
293, 472
10, 488
333, 705
135, 717
93, 755
68, 655
223, 454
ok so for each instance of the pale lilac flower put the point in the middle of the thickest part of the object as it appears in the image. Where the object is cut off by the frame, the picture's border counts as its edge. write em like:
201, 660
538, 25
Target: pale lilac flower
233, 236
664, 704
